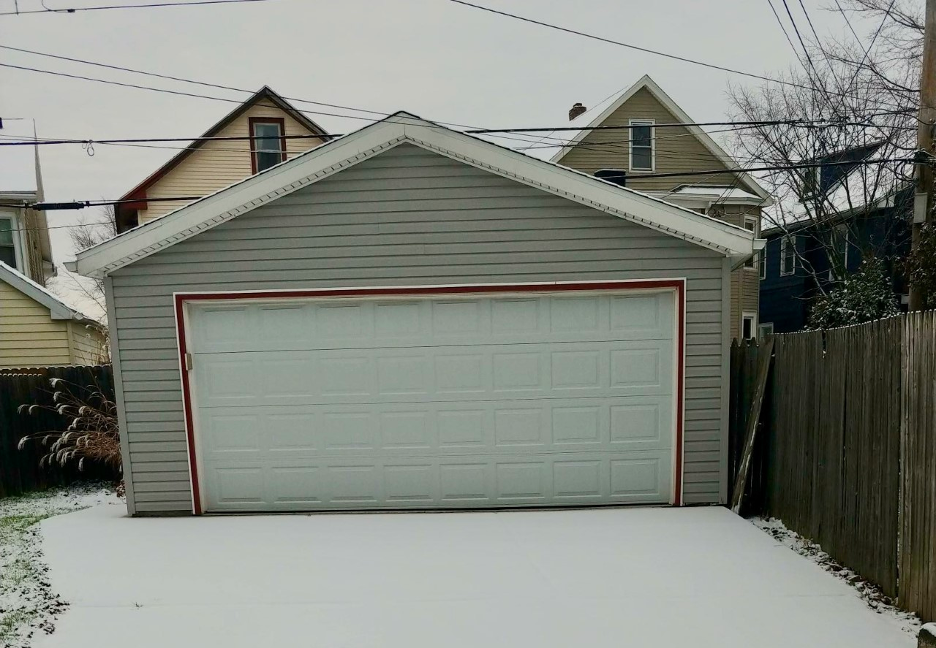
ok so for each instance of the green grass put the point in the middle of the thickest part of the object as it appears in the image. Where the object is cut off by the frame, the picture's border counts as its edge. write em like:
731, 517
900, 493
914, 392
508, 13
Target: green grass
14, 530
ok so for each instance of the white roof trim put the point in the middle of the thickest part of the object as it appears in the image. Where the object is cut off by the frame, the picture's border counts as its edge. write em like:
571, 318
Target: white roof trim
341, 153
646, 82
58, 309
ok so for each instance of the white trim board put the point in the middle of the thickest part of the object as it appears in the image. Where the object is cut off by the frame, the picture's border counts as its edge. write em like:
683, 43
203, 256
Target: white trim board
341, 153
704, 138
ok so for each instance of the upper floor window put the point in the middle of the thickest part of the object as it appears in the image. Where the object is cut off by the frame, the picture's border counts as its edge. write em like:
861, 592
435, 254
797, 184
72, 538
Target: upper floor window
7, 242
762, 256
787, 255
750, 224
641, 144
267, 144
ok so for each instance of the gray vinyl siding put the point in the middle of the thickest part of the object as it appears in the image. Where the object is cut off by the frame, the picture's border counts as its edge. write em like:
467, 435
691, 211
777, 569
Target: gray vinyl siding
405, 217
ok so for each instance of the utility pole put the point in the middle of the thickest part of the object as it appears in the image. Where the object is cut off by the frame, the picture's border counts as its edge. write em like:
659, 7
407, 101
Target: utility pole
923, 199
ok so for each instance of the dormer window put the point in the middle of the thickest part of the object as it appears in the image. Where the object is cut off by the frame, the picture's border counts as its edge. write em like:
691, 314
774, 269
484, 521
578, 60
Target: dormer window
641, 144
267, 143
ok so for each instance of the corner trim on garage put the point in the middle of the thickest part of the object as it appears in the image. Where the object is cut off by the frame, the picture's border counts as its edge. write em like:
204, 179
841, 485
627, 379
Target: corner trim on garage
677, 285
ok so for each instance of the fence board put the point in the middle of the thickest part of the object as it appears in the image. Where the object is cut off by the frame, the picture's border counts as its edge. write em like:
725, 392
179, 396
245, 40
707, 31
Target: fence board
918, 478
19, 469
832, 448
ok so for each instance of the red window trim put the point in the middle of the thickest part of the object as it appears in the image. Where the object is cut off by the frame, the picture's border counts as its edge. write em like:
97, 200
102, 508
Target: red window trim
253, 138
677, 285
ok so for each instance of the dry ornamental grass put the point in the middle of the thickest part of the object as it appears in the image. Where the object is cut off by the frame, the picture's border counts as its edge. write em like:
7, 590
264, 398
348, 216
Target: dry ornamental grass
92, 433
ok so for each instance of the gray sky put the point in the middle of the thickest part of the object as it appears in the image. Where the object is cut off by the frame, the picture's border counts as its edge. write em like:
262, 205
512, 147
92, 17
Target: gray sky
434, 58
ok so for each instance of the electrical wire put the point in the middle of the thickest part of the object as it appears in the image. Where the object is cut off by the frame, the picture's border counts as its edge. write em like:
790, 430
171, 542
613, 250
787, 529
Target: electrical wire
734, 126
170, 77
148, 5
638, 48
43, 206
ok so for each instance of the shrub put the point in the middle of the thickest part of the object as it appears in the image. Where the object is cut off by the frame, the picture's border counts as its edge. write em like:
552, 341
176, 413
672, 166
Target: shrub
92, 430
861, 297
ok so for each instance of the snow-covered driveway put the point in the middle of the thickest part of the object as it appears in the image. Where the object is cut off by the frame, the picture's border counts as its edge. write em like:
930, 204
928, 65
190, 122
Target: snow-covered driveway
613, 577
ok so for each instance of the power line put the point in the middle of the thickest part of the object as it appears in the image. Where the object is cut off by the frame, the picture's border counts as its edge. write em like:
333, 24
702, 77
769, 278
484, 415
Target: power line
148, 5
638, 48
169, 77
164, 90
81, 204
735, 125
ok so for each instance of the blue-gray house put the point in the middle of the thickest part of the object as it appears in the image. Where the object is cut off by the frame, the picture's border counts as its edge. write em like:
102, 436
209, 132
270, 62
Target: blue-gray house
816, 251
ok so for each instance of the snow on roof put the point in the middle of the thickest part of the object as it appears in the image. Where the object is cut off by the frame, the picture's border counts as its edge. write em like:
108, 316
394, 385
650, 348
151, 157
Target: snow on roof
717, 192
22, 283
864, 188
18, 163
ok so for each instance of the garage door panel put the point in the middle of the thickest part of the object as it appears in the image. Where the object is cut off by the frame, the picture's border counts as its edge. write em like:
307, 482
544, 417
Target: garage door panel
513, 400
345, 323
439, 482
429, 374
444, 429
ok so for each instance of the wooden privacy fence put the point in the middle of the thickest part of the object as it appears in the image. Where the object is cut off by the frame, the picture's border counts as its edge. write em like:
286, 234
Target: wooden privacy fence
19, 469
846, 452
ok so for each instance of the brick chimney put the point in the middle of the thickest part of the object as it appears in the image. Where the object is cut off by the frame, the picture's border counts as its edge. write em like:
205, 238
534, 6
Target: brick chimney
576, 110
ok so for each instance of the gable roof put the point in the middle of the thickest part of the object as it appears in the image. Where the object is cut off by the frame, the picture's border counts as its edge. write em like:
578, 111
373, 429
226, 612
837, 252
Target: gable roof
263, 93
341, 153
57, 308
597, 115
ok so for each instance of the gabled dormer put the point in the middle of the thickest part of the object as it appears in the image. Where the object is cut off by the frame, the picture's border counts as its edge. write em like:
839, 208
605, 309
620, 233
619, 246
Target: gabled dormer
645, 149
269, 130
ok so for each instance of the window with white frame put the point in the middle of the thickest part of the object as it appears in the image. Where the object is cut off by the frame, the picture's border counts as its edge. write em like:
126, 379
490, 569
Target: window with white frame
748, 325
641, 144
787, 255
764, 330
268, 146
750, 224
8, 242
762, 256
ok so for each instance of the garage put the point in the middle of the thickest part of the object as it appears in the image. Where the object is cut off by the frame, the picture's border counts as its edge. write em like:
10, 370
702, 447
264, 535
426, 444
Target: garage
412, 318
541, 396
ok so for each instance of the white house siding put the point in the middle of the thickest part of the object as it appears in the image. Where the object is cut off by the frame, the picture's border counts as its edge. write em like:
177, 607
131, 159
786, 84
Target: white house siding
405, 217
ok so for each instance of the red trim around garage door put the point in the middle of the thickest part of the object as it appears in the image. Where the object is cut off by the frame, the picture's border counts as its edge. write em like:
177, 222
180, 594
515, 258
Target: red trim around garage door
678, 285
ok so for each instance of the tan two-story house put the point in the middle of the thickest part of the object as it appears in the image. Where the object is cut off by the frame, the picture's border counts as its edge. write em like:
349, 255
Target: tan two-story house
263, 131
650, 153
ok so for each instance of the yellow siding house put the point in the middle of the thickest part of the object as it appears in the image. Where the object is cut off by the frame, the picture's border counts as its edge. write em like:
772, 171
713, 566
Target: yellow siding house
37, 329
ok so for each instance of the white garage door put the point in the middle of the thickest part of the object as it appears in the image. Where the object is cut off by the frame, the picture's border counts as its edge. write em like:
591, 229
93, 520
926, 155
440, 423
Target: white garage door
434, 402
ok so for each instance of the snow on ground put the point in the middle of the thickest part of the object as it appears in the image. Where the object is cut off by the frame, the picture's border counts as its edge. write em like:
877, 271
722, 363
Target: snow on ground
28, 605
870, 593
609, 577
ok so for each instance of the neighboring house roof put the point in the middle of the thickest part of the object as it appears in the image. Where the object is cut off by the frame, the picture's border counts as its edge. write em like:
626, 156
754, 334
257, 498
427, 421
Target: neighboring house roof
858, 189
713, 193
263, 93
889, 199
58, 309
597, 115
343, 152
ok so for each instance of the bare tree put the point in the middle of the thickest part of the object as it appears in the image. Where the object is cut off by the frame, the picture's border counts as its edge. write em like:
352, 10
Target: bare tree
88, 232
852, 108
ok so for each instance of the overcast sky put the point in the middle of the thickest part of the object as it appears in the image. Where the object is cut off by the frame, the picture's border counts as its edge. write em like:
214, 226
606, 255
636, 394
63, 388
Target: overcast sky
434, 58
